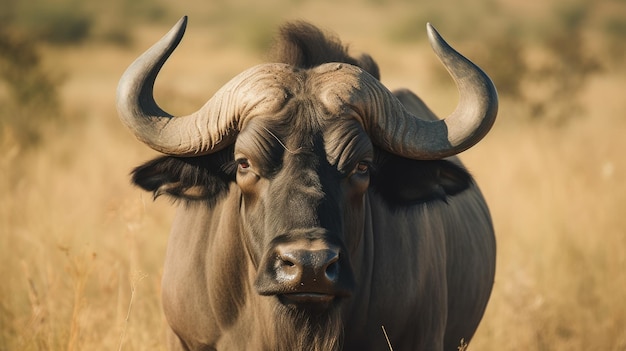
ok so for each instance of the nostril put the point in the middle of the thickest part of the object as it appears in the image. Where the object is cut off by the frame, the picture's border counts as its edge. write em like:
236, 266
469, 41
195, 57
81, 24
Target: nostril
288, 265
287, 259
286, 262
332, 271
332, 268
287, 269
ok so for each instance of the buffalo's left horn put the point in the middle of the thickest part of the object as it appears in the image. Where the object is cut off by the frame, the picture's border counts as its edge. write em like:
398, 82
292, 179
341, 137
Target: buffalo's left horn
207, 130
395, 129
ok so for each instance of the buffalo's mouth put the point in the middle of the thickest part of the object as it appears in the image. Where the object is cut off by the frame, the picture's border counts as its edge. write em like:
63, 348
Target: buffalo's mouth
317, 298
309, 301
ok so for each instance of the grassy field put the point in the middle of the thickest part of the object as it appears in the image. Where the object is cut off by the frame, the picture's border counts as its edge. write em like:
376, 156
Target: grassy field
81, 250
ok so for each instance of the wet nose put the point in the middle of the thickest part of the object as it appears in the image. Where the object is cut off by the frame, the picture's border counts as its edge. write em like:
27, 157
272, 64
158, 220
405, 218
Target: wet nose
307, 269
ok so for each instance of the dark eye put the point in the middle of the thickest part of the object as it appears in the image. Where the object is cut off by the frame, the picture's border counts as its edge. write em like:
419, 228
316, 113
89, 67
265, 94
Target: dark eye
362, 167
243, 164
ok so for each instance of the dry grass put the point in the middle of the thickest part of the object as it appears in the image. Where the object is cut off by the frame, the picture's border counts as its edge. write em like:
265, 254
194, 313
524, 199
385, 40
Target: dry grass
81, 250
557, 198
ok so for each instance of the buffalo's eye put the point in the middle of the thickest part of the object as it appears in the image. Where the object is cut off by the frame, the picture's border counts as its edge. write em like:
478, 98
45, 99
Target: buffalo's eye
243, 164
362, 167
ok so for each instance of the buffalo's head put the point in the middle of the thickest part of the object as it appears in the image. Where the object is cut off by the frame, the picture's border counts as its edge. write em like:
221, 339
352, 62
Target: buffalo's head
303, 146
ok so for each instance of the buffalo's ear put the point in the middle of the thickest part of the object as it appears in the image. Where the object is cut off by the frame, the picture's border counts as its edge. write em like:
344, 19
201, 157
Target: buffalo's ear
201, 178
404, 182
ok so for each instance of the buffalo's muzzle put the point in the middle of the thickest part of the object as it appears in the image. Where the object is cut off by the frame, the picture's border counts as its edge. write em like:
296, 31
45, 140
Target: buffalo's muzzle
315, 274
314, 270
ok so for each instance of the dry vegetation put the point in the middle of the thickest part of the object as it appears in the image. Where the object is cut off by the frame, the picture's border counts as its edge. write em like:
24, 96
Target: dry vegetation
81, 250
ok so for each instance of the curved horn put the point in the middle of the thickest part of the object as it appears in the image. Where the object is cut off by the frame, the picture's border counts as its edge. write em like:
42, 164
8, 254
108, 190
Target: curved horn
207, 130
394, 128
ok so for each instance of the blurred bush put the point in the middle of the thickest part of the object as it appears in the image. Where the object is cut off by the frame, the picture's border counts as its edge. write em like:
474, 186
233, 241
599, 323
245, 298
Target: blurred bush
615, 30
568, 68
59, 23
29, 97
28, 93
71, 22
543, 78
56, 22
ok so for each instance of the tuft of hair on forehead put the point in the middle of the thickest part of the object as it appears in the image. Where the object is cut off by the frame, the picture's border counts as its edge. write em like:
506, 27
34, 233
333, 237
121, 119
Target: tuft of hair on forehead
304, 45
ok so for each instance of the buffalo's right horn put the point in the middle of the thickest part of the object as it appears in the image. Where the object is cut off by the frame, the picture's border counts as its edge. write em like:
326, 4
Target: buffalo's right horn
207, 130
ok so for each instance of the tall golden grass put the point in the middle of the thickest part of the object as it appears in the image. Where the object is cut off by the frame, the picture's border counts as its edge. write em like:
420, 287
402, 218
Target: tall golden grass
81, 250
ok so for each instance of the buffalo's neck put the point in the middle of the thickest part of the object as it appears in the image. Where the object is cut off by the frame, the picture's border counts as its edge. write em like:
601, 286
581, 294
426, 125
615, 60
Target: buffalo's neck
200, 288
356, 307
209, 294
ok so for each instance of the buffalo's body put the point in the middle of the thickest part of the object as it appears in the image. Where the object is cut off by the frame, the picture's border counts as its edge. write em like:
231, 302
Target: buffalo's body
303, 231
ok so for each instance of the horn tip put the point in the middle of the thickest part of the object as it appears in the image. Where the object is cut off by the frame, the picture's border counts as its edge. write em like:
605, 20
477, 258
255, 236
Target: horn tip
175, 35
433, 34
181, 25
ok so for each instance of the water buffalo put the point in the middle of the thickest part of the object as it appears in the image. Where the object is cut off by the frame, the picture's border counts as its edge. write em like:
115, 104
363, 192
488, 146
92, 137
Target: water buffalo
316, 207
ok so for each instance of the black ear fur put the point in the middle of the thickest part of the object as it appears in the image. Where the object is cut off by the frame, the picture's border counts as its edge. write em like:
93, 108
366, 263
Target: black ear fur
201, 178
404, 182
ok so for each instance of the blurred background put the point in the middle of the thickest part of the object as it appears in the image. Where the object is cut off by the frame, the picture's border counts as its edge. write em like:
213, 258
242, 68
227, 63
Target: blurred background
81, 250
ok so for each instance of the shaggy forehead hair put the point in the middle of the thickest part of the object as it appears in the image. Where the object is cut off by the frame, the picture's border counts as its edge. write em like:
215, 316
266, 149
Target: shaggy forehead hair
305, 46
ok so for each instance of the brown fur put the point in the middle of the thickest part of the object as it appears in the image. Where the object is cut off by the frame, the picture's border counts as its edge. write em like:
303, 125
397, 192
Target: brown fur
416, 237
